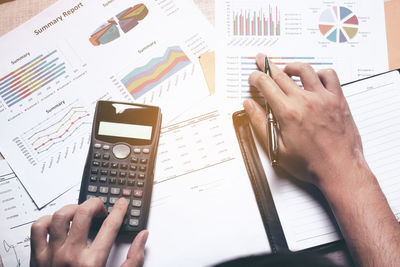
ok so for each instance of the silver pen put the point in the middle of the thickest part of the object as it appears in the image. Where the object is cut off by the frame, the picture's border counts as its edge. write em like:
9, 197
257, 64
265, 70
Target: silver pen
272, 127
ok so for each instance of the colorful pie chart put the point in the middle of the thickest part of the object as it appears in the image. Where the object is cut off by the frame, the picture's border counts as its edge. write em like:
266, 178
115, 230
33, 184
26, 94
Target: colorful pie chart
338, 24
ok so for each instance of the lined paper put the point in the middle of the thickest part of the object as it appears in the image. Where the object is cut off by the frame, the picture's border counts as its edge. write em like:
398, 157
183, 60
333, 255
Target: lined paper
304, 214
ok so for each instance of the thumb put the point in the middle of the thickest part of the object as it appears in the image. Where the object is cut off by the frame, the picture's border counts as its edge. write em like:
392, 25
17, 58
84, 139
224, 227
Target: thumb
135, 257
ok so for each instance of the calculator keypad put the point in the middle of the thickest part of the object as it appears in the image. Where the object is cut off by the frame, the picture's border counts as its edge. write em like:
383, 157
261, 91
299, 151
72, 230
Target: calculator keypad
120, 171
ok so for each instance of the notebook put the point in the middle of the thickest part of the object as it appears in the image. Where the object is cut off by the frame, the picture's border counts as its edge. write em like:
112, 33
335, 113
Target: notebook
296, 215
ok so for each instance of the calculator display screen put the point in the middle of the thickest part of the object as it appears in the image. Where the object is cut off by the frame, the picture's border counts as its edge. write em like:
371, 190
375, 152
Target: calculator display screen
125, 130
129, 123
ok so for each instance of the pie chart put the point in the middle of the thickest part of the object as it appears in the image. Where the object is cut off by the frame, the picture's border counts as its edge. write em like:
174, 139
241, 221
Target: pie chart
338, 24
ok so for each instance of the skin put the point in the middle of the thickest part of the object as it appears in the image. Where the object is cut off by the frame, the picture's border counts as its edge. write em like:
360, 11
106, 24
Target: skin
55, 241
319, 143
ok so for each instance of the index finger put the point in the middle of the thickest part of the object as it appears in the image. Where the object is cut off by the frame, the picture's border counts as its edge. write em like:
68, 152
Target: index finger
273, 94
110, 228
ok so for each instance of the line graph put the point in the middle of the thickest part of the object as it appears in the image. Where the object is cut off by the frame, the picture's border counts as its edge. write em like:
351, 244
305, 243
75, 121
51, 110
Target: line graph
61, 131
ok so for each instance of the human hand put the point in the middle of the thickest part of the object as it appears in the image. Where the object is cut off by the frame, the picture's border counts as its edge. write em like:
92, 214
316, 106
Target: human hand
57, 242
318, 136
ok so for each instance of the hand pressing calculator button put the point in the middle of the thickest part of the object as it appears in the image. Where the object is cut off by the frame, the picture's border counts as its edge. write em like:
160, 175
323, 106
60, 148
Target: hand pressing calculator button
121, 159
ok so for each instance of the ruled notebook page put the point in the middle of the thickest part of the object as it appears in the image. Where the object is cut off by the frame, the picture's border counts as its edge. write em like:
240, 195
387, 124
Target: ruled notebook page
304, 214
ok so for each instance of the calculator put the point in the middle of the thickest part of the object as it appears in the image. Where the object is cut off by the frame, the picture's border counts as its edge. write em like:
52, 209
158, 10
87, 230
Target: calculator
121, 159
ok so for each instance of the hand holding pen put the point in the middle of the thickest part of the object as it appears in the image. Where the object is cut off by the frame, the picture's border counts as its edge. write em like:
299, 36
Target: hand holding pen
272, 126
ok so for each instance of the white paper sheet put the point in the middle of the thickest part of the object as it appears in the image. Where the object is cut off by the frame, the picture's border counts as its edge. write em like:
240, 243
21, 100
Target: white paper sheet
62, 62
348, 36
202, 198
305, 217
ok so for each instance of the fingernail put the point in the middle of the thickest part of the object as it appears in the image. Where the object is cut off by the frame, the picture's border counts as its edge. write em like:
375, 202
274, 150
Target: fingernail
143, 237
248, 105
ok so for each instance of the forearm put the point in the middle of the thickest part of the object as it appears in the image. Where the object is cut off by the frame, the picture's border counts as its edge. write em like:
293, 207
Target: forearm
368, 225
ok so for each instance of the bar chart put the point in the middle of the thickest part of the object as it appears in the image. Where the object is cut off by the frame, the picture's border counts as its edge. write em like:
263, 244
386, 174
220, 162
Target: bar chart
31, 77
257, 23
239, 68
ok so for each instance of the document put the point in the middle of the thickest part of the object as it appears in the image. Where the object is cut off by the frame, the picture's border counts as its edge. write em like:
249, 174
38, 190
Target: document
336, 34
304, 214
203, 208
18, 212
62, 62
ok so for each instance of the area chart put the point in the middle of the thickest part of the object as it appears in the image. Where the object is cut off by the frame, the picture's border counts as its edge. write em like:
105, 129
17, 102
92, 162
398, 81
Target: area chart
141, 80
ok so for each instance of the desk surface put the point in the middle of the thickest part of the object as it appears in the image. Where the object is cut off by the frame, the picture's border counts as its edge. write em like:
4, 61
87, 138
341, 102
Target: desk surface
14, 13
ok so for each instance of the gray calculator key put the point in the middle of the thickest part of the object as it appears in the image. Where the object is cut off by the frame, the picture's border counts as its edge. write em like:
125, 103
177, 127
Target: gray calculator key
106, 147
146, 150
115, 190
136, 150
113, 200
136, 203
92, 188
121, 151
103, 189
97, 145
104, 199
135, 213
133, 222
109, 209
89, 197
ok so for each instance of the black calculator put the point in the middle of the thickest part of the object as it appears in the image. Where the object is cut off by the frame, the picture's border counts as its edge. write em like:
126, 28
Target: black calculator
121, 159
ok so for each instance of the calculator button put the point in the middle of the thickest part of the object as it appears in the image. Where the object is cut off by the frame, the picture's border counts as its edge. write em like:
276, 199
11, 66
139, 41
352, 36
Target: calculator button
131, 182
142, 176
133, 167
92, 188
114, 165
136, 150
97, 155
126, 192
113, 173
97, 146
104, 199
124, 166
146, 150
105, 164
115, 190
104, 172
121, 181
103, 179
134, 160
112, 180
143, 161
136, 203
121, 151
106, 147
140, 184
113, 200
135, 213
103, 189
106, 156
93, 178
90, 196
142, 168
132, 175
122, 174
96, 163
137, 193
109, 209
134, 222
94, 171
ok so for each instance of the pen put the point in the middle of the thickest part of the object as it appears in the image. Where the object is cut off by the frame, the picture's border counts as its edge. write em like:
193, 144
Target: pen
271, 126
